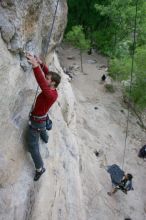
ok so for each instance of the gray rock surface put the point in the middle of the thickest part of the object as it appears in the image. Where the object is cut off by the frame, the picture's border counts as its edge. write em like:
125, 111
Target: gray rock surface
24, 25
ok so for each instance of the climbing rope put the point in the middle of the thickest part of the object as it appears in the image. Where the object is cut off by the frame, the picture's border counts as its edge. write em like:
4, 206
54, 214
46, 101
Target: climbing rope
131, 78
46, 48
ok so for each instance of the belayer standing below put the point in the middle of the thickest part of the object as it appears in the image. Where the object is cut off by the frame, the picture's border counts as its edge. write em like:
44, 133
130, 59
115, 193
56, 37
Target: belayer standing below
48, 82
120, 180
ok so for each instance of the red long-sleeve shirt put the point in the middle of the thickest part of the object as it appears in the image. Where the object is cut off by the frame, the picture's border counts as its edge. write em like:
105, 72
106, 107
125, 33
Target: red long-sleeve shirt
47, 97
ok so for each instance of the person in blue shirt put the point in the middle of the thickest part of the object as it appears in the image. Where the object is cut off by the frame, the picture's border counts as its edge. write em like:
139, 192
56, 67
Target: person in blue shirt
120, 180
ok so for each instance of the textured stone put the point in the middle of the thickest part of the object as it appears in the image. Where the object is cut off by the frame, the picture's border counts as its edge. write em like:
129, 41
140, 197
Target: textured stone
7, 32
26, 23
23, 25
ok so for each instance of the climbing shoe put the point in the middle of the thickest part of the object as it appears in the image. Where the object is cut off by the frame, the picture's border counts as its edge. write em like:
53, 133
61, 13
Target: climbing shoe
38, 174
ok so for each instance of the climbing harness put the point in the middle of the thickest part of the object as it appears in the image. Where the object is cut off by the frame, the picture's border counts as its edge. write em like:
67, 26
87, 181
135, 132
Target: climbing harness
131, 78
46, 49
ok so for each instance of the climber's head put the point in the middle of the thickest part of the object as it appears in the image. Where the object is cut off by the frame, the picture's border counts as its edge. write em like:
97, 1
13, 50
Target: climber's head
128, 176
53, 79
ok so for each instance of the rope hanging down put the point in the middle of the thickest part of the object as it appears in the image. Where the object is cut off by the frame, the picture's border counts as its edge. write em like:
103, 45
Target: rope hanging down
47, 46
131, 77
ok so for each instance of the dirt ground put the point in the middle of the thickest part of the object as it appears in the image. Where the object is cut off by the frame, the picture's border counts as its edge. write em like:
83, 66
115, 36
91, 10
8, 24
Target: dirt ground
101, 126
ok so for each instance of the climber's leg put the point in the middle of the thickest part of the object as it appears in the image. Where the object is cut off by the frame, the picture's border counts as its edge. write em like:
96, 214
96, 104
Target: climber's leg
33, 144
113, 191
44, 136
35, 129
39, 173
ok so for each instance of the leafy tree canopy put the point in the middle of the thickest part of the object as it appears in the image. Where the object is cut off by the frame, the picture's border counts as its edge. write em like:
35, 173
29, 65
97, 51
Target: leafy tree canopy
77, 37
109, 27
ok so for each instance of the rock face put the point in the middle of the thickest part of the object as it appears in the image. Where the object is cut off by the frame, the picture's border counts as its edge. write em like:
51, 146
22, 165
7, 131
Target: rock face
25, 25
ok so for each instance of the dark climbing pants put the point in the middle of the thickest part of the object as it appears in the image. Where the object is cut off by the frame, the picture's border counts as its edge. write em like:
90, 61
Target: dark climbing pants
36, 130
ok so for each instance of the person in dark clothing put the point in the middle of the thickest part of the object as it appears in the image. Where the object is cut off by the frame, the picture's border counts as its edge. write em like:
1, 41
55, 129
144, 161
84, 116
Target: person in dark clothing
90, 51
103, 78
120, 180
142, 152
125, 185
48, 82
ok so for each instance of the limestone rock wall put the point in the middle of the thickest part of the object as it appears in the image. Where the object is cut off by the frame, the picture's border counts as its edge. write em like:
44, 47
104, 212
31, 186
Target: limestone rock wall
24, 26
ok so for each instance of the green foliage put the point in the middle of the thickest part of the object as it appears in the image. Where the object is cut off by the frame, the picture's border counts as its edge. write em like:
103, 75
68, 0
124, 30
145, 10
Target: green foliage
109, 88
138, 94
108, 23
77, 38
140, 59
120, 69
109, 26
139, 86
101, 40
119, 16
141, 38
123, 49
83, 13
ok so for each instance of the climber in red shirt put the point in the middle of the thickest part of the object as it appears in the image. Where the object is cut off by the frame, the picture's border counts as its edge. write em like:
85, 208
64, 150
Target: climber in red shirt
48, 82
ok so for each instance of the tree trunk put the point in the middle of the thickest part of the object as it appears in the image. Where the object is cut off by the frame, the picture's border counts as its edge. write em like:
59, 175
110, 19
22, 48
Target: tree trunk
115, 43
81, 61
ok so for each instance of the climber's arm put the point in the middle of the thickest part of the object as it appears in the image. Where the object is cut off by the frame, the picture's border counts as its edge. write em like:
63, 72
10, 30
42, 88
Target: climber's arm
40, 78
43, 66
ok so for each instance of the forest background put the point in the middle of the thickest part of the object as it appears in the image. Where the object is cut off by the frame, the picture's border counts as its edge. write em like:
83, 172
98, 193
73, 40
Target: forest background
108, 26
